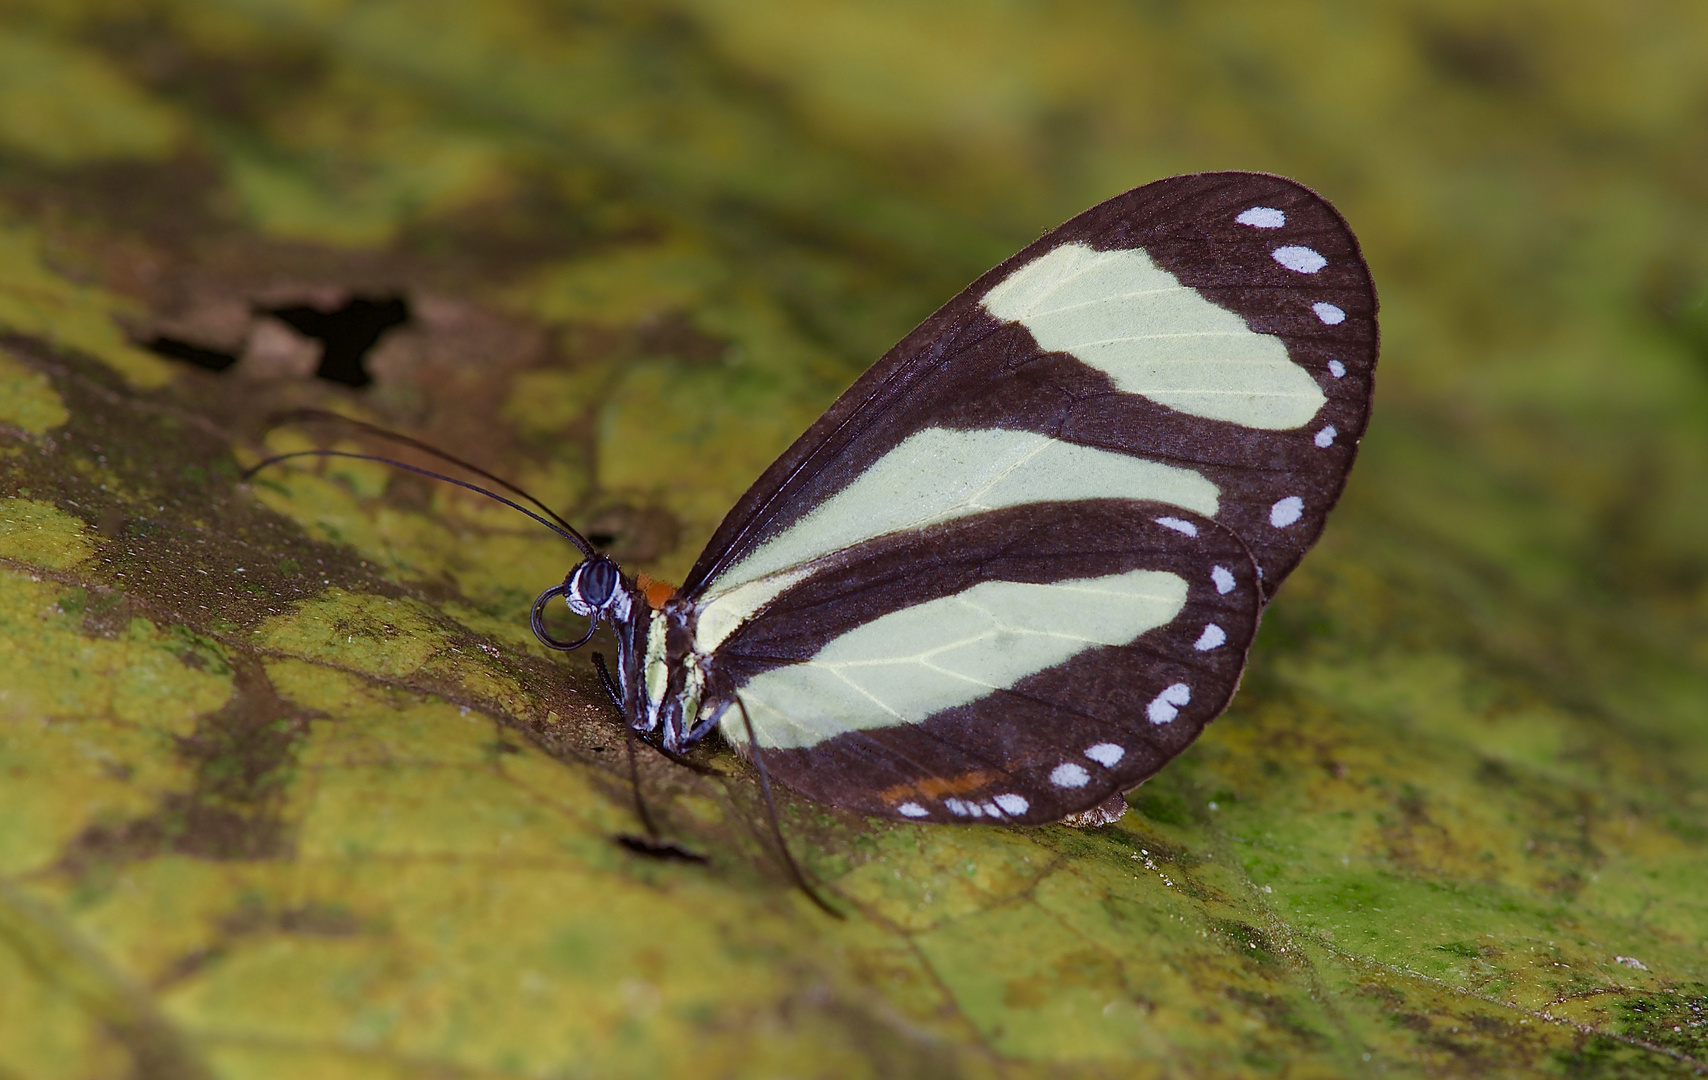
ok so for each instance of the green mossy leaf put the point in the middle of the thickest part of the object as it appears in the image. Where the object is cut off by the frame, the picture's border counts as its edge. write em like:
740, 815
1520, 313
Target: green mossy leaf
27, 400
287, 787
59, 311
66, 106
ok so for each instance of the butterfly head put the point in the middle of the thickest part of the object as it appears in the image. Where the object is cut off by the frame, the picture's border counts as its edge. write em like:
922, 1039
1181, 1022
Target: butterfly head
594, 590
591, 587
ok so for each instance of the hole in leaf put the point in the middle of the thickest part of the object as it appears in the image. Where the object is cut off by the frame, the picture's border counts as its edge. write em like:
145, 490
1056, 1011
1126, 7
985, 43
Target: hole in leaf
346, 334
173, 349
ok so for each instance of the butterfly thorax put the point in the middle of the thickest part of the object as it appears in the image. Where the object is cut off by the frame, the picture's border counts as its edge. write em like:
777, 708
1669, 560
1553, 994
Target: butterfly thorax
673, 703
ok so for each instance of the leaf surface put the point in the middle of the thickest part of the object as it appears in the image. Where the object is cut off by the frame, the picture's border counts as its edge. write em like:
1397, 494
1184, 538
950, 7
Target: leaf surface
286, 787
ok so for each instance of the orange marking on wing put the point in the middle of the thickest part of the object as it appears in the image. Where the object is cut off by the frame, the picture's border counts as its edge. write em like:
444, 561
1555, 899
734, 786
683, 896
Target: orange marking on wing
655, 591
935, 787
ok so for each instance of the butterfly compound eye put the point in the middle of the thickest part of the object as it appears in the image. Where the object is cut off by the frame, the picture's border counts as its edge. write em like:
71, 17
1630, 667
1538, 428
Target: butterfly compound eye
591, 585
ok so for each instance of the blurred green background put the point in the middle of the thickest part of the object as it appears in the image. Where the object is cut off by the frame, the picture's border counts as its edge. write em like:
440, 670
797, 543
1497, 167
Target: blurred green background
286, 789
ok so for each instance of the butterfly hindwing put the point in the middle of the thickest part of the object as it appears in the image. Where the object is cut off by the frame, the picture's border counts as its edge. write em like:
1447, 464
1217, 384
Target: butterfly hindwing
977, 663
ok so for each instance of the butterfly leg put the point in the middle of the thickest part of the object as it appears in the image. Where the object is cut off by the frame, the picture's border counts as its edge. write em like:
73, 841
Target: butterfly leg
609, 683
634, 786
708, 720
771, 815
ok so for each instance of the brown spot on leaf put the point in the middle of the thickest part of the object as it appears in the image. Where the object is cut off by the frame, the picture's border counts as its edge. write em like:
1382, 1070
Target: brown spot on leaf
1082, 968
1487, 57
673, 335
242, 755
312, 919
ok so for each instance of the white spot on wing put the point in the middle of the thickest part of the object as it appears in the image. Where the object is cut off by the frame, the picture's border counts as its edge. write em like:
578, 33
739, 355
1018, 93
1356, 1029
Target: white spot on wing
1178, 525
1013, 805
990, 809
911, 809
963, 809
1212, 638
1166, 705
1067, 774
1105, 754
1325, 437
1262, 217
1223, 579
1287, 511
1329, 314
1336, 368
1300, 259
1119, 312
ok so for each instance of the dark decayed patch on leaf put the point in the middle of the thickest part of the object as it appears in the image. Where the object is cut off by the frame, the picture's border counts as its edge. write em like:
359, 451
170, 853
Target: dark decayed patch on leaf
185, 542
241, 757
1281, 1014
311, 920
1489, 57
1248, 941
254, 918
1601, 1057
1677, 1019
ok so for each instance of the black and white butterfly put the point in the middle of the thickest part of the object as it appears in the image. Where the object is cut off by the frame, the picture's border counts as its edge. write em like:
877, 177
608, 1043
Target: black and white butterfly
1016, 568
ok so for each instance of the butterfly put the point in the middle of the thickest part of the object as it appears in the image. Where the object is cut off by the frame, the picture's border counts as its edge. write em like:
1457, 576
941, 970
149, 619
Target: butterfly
1017, 566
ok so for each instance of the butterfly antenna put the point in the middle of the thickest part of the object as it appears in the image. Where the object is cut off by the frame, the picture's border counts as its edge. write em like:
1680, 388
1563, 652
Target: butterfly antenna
562, 529
325, 416
771, 815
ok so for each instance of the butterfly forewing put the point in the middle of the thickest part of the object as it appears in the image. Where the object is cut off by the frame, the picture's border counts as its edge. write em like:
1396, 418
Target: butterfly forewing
1016, 567
1238, 288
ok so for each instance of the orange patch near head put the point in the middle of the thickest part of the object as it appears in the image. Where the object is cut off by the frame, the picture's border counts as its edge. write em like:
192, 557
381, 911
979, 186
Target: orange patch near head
934, 787
655, 591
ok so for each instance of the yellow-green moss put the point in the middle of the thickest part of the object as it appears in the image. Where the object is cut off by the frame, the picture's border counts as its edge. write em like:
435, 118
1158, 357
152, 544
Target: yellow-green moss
28, 399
